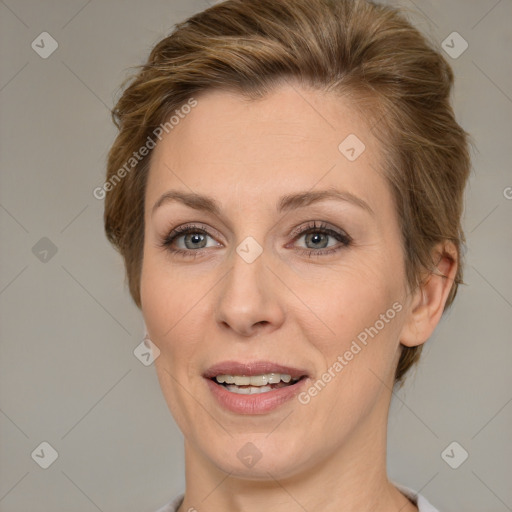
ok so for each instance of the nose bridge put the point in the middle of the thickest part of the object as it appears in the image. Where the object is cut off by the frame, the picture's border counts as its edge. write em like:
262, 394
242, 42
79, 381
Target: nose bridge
248, 297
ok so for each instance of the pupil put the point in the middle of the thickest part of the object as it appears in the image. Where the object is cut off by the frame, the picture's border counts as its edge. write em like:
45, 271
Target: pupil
195, 238
315, 238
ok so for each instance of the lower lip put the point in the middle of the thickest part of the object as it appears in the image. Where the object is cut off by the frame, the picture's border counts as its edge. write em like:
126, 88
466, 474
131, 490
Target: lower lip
254, 404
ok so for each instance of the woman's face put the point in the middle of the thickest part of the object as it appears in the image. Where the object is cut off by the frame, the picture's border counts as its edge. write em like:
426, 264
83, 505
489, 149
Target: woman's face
274, 280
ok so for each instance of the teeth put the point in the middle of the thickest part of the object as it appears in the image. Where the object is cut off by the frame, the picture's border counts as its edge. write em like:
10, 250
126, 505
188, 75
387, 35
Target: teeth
274, 378
250, 390
259, 381
242, 381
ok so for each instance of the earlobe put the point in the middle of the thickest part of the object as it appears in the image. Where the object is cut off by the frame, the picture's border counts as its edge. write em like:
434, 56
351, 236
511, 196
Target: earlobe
429, 299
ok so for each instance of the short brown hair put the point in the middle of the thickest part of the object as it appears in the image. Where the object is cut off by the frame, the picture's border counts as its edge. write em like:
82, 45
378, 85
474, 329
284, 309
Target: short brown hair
353, 47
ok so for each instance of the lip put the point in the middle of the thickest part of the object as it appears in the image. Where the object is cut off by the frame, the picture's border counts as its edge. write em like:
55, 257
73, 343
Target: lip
253, 404
252, 368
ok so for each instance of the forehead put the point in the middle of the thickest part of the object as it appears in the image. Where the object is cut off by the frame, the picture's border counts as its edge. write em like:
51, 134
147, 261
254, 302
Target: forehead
245, 149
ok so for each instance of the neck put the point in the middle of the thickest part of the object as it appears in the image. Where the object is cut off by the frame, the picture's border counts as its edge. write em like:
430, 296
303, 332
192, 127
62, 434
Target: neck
351, 478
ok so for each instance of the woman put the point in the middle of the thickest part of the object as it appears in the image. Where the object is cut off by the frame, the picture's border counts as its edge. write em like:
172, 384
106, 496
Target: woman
286, 190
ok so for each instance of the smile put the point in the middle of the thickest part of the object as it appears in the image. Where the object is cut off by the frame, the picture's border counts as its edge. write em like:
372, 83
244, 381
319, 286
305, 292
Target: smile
253, 388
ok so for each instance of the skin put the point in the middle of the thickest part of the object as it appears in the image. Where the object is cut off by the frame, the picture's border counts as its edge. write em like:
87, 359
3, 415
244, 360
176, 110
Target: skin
285, 306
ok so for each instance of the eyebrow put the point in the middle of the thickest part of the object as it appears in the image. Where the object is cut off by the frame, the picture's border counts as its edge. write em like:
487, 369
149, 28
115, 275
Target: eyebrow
286, 203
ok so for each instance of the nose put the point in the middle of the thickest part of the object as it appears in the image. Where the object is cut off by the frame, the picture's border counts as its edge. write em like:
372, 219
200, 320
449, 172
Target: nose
249, 300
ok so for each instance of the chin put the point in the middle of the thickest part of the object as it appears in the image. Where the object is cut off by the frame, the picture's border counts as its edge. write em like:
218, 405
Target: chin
257, 456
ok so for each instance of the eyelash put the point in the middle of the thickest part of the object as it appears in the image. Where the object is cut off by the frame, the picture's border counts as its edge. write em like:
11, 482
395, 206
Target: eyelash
312, 227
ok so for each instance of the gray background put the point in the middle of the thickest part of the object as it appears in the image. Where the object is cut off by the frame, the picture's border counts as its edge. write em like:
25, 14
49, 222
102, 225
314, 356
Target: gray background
68, 374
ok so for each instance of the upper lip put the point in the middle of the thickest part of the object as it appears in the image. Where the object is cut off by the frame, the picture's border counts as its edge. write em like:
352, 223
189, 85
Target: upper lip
252, 368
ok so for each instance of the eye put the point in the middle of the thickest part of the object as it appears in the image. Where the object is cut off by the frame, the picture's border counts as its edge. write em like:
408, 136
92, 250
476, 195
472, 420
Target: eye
317, 236
190, 240
187, 240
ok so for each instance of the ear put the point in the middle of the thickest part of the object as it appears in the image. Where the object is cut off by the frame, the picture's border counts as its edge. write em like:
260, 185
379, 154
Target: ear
428, 300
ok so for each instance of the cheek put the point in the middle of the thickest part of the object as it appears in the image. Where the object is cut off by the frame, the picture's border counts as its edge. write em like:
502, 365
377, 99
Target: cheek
352, 295
156, 300
172, 307
173, 304
163, 298
361, 306
355, 306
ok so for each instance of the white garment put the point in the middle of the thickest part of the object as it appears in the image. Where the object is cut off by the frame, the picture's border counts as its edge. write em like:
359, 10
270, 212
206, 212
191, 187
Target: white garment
419, 500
